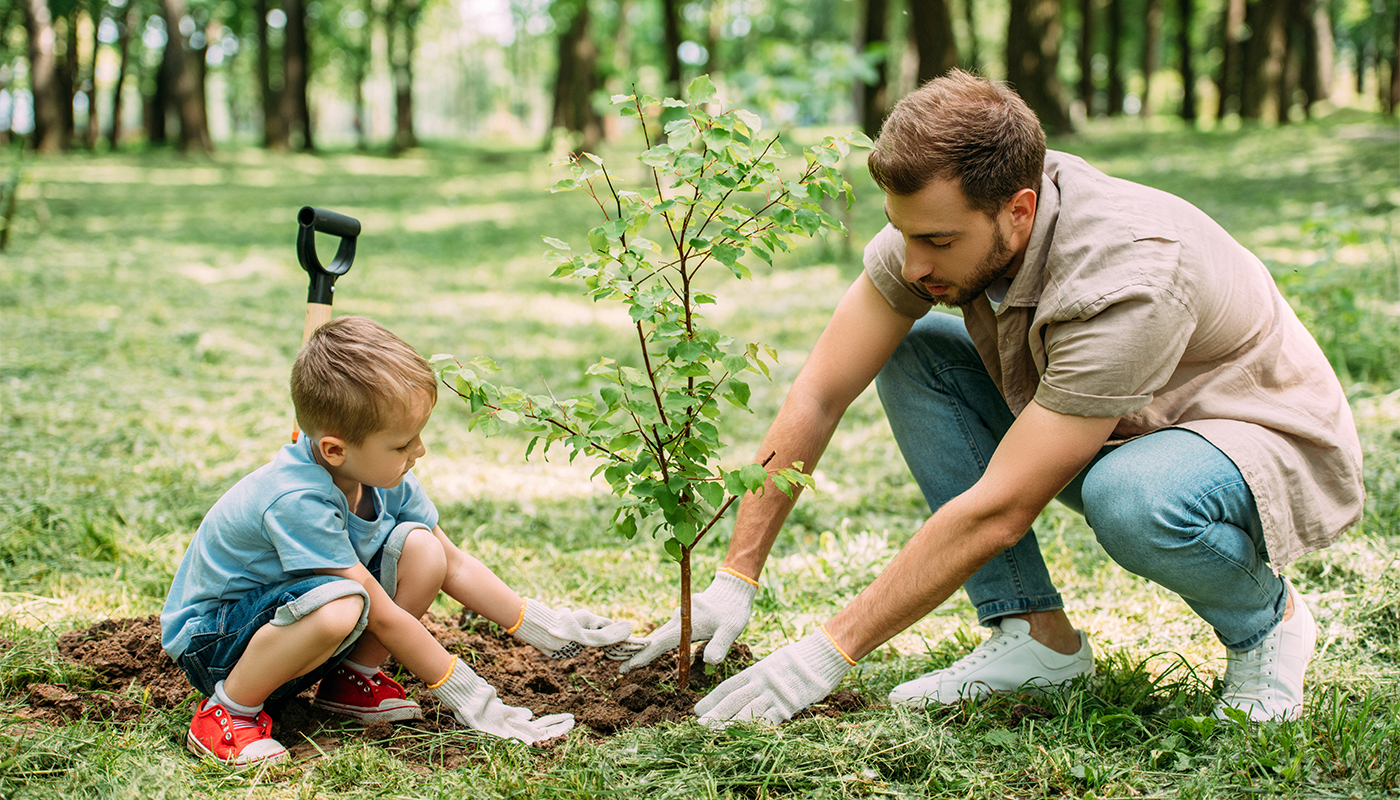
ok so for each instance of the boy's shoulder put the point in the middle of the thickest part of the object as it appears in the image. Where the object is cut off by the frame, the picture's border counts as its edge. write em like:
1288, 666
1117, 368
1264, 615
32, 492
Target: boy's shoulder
291, 479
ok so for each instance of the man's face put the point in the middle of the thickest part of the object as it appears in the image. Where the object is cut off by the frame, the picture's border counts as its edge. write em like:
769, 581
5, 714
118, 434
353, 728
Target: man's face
954, 251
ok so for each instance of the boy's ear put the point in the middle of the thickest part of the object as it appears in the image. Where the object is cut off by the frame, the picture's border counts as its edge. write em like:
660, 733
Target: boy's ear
331, 450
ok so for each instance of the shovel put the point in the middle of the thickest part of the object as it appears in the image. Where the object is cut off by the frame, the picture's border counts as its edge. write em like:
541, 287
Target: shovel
321, 292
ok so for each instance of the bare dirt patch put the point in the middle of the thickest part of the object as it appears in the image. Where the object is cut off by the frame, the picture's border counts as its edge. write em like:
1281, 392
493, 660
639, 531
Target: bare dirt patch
136, 678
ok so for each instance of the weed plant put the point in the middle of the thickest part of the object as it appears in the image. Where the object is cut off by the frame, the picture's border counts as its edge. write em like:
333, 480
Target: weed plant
150, 308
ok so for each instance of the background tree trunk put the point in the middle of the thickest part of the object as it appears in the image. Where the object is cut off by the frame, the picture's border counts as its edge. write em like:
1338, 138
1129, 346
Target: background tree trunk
296, 71
870, 99
1394, 94
68, 71
94, 128
1230, 79
1085, 56
932, 24
1115, 58
1185, 12
401, 22
671, 45
1032, 60
43, 80
576, 80
1319, 53
275, 135
1265, 60
1151, 52
124, 26
974, 54
182, 75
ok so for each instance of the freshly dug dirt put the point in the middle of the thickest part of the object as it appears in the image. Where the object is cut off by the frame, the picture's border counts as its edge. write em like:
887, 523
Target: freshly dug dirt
136, 677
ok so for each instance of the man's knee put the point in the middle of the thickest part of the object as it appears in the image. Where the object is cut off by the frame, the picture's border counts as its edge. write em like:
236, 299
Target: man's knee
1126, 516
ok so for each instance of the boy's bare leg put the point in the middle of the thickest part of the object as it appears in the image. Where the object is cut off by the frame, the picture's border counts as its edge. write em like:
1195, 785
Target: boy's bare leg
422, 566
277, 654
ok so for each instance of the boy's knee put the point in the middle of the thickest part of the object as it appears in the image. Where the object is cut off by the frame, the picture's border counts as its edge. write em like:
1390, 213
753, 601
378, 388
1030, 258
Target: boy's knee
340, 617
423, 558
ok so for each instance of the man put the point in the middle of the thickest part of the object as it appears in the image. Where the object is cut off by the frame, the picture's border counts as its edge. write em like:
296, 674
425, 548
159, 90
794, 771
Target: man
1118, 350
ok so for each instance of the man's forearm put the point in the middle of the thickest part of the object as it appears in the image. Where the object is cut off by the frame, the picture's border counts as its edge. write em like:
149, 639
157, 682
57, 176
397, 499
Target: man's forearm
800, 432
952, 545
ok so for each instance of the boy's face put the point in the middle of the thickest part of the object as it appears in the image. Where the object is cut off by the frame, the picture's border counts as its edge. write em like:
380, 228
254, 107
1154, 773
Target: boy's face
383, 458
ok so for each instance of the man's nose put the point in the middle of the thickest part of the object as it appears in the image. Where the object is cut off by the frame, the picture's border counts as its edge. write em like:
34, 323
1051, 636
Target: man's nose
916, 266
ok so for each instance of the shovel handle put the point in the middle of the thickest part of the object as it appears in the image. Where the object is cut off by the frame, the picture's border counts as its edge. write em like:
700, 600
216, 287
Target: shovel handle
317, 314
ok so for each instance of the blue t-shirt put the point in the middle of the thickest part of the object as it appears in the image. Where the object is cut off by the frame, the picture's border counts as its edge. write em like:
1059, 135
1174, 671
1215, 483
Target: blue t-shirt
281, 522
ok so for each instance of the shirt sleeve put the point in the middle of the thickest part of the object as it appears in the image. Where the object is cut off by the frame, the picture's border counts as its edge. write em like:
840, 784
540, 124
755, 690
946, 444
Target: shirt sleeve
1109, 360
884, 263
308, 533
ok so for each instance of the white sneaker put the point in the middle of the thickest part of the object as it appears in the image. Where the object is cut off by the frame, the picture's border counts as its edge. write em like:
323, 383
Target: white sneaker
1267, 682
1006, 661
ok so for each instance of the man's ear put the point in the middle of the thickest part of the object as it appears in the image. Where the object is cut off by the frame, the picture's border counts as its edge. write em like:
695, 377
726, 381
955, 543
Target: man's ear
1022, 207
330, 450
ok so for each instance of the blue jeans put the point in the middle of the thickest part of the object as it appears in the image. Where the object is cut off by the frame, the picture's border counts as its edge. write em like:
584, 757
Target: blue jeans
1168, 506
224, 633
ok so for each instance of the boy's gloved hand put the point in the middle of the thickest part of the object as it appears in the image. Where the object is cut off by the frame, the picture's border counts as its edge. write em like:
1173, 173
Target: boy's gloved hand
474, 703
719, 614
777, 687
564, 633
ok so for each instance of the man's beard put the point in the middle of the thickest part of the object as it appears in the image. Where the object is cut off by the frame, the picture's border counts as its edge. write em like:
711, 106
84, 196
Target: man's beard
992, 268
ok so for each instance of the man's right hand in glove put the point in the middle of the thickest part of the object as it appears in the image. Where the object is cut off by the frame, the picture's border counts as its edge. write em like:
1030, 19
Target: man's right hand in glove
474, 703
718, 614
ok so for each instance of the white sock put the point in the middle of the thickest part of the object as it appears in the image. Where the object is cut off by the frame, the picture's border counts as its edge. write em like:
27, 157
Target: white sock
241, 710
368, 672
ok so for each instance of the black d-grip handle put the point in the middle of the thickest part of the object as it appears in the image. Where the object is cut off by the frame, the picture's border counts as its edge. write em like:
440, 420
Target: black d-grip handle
310, 221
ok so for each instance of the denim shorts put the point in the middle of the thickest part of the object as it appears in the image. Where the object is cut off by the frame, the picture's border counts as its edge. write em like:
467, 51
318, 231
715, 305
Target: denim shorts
223, 634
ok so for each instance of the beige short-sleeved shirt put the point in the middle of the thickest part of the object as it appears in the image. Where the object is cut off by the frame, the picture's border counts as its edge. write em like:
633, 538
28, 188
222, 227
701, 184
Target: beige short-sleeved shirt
1133, 303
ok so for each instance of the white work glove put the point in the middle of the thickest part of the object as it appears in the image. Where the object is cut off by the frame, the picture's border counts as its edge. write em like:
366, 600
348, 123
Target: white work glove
564, 634
777, 687
474, 703
719, 614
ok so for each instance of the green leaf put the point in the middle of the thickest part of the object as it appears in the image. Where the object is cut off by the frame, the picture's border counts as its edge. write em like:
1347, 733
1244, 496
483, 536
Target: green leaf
556, 243
685, 533
738, 393
627, 526
701, 90
672, 102
727, 254
750, 120
712, 492
673, 548
753, 476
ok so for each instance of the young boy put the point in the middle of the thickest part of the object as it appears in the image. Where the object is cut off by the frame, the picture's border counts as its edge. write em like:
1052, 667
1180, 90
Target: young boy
318, 565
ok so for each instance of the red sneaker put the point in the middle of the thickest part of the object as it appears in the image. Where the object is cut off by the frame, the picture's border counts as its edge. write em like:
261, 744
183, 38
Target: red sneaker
232, 739
376, 699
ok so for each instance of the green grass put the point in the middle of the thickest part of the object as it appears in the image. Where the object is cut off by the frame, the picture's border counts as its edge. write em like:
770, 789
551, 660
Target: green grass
150, 307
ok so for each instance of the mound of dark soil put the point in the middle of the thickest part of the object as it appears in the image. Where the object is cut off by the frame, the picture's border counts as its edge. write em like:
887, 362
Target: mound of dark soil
136, 677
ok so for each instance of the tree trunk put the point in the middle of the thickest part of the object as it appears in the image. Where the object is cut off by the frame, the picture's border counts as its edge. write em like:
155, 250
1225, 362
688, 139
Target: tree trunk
1228, 82
68, 71
870, 99
1265, 60
974, 54
94, 127
1115, 58
296, 63
183, 77
401, 21
932, 24
1032, 60
43, 80
1185, 12
275, 135
1086, 56
1151, 47
671, 43
576, 80
1318, 53
1393, 102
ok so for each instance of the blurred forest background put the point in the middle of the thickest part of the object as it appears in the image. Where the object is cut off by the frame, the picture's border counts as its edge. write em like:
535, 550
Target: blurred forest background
381, 74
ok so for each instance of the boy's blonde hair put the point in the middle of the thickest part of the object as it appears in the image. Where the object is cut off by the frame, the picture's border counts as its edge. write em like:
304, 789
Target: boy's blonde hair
352, 376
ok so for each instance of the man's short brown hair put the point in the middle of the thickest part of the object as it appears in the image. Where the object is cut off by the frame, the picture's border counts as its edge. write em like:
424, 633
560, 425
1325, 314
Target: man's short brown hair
353, 376
964, 128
